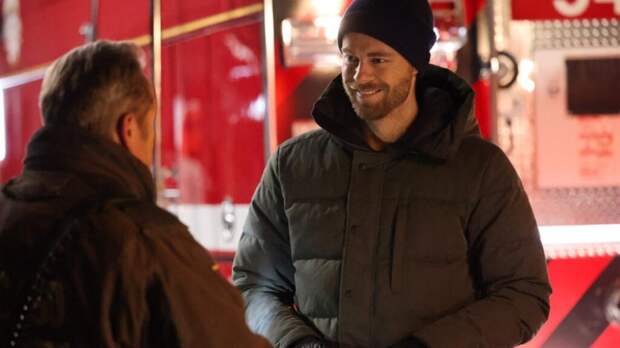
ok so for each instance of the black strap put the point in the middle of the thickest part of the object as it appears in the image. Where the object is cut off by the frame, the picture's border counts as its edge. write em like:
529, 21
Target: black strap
34, 294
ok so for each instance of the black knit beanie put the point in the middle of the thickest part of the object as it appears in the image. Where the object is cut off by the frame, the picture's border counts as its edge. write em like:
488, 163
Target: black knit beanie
404, 25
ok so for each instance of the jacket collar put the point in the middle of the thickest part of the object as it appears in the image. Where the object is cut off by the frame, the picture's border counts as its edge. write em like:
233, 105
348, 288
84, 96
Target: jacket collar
108, 168
445, 116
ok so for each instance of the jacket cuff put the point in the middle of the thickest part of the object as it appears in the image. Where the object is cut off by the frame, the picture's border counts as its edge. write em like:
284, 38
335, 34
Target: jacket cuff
309, 342
296, 336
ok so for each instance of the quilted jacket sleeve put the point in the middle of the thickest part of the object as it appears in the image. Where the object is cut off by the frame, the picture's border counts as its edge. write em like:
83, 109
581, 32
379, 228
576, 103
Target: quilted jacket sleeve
509, 264
263, 270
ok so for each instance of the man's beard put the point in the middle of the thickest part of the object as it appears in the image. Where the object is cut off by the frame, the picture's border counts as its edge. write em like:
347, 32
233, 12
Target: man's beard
393, 98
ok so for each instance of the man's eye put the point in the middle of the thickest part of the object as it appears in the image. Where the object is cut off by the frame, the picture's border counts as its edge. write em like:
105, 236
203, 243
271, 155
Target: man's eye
349, 59
378, 60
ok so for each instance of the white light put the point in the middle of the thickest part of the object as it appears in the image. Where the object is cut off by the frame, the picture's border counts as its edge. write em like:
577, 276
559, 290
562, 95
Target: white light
579, 234
435, 47
527, 85
494, 65
450, 47
526, 68
287, 32
2, 127
330, 25
257, 109
327, 7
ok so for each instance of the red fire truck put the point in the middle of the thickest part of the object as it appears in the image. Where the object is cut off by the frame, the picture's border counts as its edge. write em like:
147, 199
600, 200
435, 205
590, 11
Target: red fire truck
238, 77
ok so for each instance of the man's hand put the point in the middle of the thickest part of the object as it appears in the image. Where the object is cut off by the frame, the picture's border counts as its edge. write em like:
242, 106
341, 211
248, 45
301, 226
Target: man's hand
311, 342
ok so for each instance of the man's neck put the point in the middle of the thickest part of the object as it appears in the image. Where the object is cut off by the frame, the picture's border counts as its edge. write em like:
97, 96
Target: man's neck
390, 128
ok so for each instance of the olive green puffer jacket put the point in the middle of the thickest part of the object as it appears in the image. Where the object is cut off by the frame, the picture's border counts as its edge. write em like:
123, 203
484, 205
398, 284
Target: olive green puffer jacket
431, 239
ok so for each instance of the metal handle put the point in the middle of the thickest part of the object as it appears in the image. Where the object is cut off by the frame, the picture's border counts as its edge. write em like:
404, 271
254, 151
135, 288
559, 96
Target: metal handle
228, 219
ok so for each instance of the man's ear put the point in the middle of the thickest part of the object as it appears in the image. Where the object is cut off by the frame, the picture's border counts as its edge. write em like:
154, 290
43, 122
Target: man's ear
126, 130
134, 138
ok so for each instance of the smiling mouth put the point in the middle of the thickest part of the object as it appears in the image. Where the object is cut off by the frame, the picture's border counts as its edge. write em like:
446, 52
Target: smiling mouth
367, 93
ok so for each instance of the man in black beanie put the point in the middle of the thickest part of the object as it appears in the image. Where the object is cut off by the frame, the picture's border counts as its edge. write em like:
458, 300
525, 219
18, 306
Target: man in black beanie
396, 224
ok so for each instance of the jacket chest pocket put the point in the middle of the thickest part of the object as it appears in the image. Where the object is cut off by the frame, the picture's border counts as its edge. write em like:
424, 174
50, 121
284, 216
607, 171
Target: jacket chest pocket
435, 259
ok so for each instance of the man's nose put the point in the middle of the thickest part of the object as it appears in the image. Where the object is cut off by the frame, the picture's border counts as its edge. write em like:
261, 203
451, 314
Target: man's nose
363, 73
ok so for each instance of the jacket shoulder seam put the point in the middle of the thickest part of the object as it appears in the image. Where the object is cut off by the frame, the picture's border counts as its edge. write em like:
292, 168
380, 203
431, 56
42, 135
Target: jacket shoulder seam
304, 137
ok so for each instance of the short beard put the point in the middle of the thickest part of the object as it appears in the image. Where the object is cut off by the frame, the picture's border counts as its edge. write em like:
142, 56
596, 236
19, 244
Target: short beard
395, 97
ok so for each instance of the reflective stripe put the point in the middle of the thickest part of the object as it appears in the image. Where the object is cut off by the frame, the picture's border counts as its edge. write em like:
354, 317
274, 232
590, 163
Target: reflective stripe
580, 240
205, 224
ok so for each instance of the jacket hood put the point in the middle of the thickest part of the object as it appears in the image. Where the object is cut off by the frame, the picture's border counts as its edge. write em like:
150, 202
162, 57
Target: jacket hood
444, 118
108, 168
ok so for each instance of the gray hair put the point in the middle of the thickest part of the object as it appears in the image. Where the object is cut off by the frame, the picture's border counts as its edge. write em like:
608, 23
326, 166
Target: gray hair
93, 85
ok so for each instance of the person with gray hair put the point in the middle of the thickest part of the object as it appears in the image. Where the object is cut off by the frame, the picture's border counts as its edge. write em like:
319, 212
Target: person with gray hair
87, 259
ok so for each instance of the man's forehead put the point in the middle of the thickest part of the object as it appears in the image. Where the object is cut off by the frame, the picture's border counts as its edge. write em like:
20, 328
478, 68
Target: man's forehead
365, 43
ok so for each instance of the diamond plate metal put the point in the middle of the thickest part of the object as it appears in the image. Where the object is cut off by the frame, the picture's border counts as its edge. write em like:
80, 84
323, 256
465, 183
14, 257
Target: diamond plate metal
516, 123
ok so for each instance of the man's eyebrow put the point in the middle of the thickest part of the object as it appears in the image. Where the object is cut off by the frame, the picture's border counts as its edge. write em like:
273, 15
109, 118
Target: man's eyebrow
379, 54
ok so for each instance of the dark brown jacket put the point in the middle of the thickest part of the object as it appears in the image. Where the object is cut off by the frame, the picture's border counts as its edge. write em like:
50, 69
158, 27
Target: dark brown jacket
432, 238
125, 274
